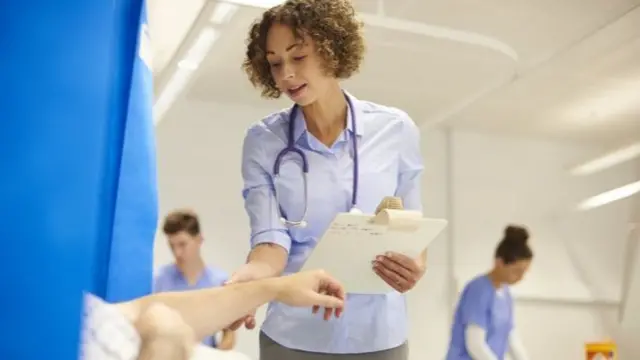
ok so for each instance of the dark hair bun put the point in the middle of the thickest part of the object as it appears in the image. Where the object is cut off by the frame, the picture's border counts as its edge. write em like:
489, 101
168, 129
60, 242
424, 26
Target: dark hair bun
516, 234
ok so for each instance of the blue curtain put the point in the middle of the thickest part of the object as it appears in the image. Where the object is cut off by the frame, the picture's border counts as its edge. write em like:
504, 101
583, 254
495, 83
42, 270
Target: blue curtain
67, 72
136, 212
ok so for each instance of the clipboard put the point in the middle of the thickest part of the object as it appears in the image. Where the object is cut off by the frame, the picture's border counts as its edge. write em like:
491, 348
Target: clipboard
353, 240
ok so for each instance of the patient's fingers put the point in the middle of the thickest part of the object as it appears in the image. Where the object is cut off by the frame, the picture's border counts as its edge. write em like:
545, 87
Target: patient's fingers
236, 324
335, 290
332, 302
327, 313
338, 293
250, 322
332, 287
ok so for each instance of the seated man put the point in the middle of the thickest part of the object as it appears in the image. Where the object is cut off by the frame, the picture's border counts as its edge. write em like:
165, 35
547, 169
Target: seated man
167, 326
189, 272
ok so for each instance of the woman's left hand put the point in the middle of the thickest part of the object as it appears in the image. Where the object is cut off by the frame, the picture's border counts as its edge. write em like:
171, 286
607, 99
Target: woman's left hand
399, 271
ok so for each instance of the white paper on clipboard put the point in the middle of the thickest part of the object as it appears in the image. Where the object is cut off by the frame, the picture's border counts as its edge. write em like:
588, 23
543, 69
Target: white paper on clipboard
352, 242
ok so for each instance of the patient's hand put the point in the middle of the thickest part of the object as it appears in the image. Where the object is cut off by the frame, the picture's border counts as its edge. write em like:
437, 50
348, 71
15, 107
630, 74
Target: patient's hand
312, 288
315, 288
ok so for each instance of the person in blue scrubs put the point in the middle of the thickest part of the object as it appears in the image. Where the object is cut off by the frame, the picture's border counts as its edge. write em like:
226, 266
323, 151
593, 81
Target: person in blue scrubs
189, 272
484, 326
302, 49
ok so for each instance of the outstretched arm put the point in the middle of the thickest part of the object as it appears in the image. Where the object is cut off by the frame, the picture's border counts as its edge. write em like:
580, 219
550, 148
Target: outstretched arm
208, 311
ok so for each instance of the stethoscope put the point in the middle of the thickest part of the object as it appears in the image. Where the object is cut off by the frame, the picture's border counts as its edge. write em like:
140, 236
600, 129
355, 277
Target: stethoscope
305, 167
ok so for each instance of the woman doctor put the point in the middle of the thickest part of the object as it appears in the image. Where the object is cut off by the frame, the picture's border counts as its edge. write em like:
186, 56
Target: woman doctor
483, 326
353, 152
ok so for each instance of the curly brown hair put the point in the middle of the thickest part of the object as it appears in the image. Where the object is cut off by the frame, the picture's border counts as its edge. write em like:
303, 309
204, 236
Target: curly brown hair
331, 24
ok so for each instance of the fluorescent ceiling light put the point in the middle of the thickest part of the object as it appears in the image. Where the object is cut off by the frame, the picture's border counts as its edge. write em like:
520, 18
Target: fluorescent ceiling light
610, 196
170, 93
223, 12
185, 68
263, 4
200, 48
614, 158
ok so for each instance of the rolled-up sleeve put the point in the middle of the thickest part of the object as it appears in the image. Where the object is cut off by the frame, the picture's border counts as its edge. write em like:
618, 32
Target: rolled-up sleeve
411, 166
259, 194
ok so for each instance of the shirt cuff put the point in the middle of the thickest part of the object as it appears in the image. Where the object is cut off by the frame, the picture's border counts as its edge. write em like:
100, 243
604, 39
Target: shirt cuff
278, 237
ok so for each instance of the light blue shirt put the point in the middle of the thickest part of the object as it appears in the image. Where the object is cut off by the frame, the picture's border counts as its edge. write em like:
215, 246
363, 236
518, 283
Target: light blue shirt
483, 305
170, 278
390, 164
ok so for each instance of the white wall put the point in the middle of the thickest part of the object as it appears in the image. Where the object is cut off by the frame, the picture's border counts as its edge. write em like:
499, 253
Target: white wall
496, 180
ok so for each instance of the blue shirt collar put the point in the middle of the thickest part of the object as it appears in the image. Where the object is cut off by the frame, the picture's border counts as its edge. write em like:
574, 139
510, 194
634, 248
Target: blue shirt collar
300, 127
177, 274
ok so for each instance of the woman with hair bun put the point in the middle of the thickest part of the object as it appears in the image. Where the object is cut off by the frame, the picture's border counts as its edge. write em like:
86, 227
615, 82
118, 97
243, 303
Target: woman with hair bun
483, 327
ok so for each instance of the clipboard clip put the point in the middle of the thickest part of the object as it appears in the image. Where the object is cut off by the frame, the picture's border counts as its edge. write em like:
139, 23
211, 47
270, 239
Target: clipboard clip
398, 220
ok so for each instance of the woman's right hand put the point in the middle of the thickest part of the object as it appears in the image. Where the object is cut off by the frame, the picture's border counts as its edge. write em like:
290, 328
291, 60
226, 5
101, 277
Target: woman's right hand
265, 260
248, 272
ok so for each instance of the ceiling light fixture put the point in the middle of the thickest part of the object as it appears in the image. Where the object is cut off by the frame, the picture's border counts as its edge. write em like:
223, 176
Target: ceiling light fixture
223, 12
185, 68
170, 93
610, 196
201, 47
609, 160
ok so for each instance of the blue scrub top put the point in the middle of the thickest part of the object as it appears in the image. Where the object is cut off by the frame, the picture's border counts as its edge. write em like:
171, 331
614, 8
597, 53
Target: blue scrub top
170, 278
390, 164
483, 305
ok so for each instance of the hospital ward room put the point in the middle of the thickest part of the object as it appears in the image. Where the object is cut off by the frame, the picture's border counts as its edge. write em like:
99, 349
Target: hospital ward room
320, 180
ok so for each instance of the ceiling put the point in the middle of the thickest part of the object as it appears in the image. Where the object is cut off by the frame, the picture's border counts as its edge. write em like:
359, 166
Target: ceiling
566, 69
170, 22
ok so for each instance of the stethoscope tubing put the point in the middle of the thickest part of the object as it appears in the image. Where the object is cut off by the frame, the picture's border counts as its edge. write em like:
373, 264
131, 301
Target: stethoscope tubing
305, 166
